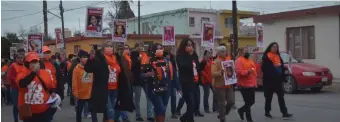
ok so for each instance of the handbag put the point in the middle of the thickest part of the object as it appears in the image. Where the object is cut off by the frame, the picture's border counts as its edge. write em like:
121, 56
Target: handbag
25, 110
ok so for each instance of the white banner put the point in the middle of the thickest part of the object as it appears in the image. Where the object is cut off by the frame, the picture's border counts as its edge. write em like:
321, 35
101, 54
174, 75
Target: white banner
119, 33
169, 35
94, 22
208, 34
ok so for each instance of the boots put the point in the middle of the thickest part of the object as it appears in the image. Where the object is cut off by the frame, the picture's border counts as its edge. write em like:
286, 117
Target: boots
160, 118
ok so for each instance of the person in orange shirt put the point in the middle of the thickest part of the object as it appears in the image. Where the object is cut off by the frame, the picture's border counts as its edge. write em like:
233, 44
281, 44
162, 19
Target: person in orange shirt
35, 88
5, 85
70, 57
205, 64
12, 73
247, 82
81, 85
223, 92
273, 78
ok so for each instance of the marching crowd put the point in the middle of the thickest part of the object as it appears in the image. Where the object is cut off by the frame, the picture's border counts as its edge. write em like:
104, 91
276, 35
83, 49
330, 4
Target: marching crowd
110, 78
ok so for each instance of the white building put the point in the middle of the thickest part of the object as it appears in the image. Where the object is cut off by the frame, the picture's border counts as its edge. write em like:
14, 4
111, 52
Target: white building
311, 34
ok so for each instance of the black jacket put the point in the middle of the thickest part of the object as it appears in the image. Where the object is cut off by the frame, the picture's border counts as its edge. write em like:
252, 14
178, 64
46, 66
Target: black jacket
136, 69
185, 70
99, 95
271, 77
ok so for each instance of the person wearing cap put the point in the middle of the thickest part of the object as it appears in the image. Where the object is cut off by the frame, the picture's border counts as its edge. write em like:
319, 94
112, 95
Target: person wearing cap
223, 92
35, 86
109, 78
81, 85
12, 73
246, 82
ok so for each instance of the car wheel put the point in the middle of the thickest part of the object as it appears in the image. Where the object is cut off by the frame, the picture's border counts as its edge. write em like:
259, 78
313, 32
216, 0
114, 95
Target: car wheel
317, 89
290, 86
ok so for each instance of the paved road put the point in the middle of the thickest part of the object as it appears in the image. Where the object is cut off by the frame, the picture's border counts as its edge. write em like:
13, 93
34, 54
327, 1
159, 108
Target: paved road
306, 107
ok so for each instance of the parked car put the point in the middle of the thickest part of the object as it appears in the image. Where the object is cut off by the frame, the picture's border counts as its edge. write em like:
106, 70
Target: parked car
303, 76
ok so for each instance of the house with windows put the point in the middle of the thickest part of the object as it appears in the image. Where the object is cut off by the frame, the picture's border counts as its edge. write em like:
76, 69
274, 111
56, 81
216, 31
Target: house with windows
312, 35
188, 21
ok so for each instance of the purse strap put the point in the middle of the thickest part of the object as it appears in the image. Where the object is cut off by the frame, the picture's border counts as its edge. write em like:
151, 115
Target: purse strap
43, 84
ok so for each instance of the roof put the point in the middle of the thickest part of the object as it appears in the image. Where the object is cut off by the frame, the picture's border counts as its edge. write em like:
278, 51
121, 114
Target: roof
109, 36
298, 13
242, 14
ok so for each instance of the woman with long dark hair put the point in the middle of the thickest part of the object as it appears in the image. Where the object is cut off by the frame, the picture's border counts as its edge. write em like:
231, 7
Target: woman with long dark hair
187, 61
273, 77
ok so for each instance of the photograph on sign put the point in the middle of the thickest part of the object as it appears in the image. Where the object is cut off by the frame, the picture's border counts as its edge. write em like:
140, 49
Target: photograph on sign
59, 38
208, 34
229, 73
259, 35
120, 32
169, 35
12, 51
35, 43
94, 22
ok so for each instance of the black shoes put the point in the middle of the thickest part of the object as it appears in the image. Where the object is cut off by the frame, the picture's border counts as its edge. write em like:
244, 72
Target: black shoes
241, 114
139, 119
267, 115
151, 119
287, 116
207, 111
199, 114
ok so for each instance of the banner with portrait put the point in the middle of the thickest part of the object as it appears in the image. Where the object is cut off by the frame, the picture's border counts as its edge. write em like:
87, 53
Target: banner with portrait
94, 22
169, 35
208, 34
59, 38
229, 73
259, 35
12, 51
119, 33
35, 43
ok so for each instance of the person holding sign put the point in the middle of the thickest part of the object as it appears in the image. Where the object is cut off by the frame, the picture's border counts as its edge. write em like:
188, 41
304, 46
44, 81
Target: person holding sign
223, 92
247, 82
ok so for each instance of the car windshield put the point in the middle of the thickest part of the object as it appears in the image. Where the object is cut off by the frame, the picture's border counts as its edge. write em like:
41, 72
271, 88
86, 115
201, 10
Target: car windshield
285, 58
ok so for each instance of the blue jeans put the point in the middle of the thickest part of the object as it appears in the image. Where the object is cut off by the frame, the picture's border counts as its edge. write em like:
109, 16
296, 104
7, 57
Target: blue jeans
14, 98
173, 94
112, 98
137, 94
159, 101
122, 114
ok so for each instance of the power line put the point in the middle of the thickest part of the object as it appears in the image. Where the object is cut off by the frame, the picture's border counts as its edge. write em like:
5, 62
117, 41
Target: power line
13, 10
27, 14
93, 4
40, 22
293, 7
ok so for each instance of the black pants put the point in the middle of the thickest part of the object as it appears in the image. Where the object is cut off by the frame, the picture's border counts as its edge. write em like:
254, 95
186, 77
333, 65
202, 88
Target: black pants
189, 97
79, 108
196, 100
268, 94
206, 89
248, 95
42, 117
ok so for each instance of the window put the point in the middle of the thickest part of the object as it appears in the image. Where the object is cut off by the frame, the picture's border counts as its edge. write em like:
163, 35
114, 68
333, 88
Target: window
301, 42
204, 19
191, 21
76, 49
228, 22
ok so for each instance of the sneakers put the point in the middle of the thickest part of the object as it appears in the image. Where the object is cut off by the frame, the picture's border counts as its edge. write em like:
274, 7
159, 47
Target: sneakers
174, 116
151, 119
139, 119
207, 111
287, 116
268, 116
240, 114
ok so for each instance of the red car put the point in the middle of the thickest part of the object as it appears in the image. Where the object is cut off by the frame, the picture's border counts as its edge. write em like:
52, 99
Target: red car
303, 76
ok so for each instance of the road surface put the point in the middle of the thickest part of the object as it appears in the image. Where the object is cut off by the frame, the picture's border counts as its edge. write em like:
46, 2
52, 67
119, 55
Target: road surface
306, 107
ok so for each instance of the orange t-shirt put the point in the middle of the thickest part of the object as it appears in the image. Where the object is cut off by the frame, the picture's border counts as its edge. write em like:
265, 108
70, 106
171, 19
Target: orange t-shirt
35, 94
275, 58
195, 71
228, 58
49, 67
114, 70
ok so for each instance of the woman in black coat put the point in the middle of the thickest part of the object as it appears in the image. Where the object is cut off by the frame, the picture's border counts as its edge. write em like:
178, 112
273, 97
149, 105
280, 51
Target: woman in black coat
273, 78
98, 65
188, 68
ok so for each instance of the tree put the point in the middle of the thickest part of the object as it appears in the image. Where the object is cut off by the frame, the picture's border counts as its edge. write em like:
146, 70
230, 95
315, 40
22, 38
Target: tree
48, 38
13, 38
121, 10
5, 47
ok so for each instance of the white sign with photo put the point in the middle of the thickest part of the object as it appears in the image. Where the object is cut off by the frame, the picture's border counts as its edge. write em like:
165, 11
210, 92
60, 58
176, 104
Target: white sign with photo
229, 72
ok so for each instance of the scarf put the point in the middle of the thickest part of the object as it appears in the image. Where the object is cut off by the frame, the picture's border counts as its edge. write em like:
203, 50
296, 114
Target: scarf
127, 57
111, 60
145, 59
163, 70
275, 58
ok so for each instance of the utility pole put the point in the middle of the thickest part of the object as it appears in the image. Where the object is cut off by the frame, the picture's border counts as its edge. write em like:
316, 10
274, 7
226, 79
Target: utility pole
45, 18
62, 22
235, 31
139, 38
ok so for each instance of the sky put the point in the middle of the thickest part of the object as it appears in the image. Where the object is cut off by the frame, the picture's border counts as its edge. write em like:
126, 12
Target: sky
75, 19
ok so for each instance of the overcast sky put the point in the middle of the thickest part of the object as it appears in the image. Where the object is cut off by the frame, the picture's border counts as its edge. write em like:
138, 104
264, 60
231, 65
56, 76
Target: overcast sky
75, 19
